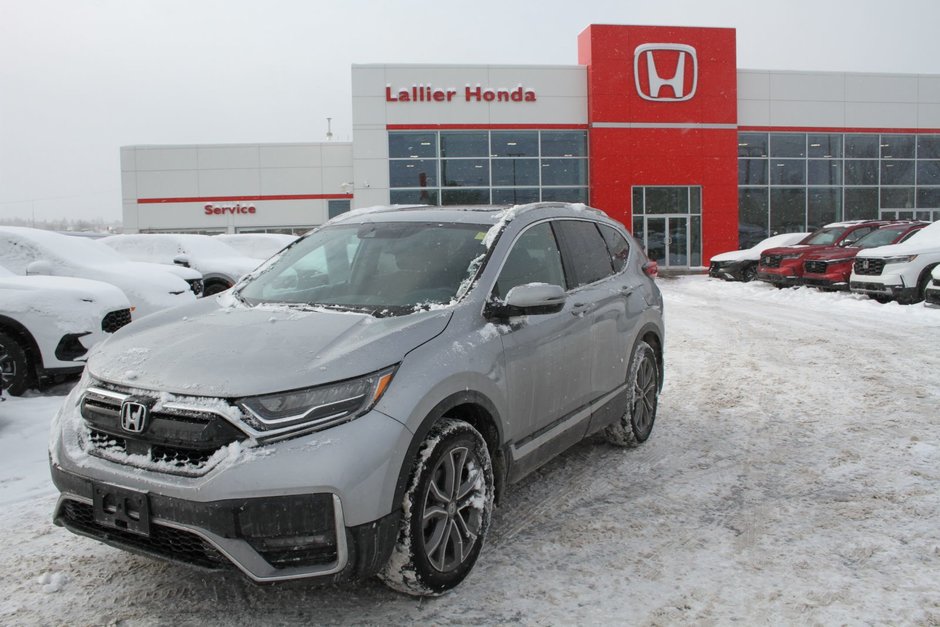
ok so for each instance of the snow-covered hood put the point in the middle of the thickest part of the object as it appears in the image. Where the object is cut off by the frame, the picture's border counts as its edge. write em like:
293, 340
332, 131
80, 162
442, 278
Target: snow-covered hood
218, 347
913, 246
148, 288
63, 294
753, 253
187, 274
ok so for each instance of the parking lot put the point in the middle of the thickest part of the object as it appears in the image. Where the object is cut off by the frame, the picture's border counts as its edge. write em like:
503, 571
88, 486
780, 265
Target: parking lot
792, 477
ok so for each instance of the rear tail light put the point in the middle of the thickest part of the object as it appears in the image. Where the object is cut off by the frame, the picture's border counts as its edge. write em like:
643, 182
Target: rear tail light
651, 269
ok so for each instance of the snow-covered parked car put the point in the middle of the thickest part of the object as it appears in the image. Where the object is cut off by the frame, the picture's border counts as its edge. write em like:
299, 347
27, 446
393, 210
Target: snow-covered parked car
48, 325
148, 287
220, 264
257, 245
363, 422
898, 272
741, 265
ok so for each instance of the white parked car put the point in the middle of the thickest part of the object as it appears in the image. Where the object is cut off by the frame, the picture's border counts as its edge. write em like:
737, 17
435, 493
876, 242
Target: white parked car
149, 288
48, 325
258, 245
741, 265
898, 272
932, 293
220, 264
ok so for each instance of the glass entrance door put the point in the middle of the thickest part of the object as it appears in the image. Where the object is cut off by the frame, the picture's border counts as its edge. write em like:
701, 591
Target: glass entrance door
666, 239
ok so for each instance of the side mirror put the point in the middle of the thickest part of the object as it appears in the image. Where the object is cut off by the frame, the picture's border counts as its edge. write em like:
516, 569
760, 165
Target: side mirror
181, 260
529, 300
39, 267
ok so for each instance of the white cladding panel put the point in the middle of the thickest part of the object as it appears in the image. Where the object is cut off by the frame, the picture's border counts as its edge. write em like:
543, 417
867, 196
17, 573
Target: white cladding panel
218, 175
560, 98
837, 100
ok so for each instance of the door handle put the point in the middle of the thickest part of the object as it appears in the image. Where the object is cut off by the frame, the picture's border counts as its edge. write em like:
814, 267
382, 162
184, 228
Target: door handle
579, 309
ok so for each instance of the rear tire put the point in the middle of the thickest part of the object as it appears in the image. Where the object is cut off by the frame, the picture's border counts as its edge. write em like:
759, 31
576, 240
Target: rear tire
15, 373
636, 424
445, 513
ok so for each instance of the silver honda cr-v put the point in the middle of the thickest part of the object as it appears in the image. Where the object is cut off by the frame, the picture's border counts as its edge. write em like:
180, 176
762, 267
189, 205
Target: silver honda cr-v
355, 405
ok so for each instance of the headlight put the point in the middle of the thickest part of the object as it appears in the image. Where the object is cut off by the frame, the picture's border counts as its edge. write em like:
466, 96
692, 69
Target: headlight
792, 256
313, 409
899, 259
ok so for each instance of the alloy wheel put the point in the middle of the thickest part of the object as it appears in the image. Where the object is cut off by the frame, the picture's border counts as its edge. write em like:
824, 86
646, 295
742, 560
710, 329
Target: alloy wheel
453, 509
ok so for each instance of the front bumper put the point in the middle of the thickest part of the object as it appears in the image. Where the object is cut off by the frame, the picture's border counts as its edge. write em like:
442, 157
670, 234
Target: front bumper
320, 505
932, 297
268, 538
729, 271
835, 281
890, 287
781, 279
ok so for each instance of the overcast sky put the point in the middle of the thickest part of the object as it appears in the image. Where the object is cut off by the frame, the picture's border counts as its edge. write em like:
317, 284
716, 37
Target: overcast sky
80, 78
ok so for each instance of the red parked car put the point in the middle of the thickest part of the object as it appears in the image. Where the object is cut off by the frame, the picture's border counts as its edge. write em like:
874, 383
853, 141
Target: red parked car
783, 267
831, 267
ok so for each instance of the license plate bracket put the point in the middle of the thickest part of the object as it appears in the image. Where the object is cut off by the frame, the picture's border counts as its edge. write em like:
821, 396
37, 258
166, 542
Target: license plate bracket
123, 509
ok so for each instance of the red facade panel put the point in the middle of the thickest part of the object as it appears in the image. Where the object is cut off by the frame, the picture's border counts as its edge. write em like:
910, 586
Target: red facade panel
662, 109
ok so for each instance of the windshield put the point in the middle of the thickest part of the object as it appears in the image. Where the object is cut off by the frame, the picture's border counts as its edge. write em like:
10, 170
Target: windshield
379, 268
824, 237
880, 237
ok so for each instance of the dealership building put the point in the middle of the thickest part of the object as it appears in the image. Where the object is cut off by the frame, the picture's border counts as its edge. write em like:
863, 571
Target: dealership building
655, 125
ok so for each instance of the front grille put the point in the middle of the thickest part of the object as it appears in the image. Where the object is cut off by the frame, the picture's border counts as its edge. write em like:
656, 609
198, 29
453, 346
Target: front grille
181, 440
869, 267
815, 267
115, 320
771, 261
166, 542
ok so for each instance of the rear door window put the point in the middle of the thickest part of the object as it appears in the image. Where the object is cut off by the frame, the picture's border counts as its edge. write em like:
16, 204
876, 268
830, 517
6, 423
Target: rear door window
617, 246
585, 252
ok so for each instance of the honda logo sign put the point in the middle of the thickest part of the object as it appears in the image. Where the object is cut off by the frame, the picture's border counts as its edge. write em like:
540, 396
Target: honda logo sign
673, 66
134, 416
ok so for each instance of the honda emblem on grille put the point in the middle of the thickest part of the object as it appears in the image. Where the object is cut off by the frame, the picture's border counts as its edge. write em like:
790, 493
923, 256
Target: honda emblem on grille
864, 264
134, 416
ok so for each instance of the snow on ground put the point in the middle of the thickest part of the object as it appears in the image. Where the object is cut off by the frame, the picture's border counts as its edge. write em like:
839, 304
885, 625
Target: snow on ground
793, 477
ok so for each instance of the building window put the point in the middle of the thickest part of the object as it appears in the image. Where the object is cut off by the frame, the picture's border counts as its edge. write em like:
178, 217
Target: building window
484, 167
336, 207
801, 181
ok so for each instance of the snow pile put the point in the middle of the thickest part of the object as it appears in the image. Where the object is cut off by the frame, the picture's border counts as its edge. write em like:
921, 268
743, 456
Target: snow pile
791, 478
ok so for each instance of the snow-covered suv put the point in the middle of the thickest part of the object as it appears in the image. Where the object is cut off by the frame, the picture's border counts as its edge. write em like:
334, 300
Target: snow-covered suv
48, 324
369, 392
741, 265
898, 272
220, 264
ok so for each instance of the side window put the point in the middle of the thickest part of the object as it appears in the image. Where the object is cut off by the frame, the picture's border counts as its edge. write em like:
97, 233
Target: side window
534, 258
585, 251
617, 246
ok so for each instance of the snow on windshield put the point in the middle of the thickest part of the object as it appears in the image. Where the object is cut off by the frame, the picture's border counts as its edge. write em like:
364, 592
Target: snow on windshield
386, 267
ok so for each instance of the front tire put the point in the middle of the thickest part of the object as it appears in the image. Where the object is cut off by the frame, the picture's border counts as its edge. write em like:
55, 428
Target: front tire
14, 366
446, 512
636, 424
749, 273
